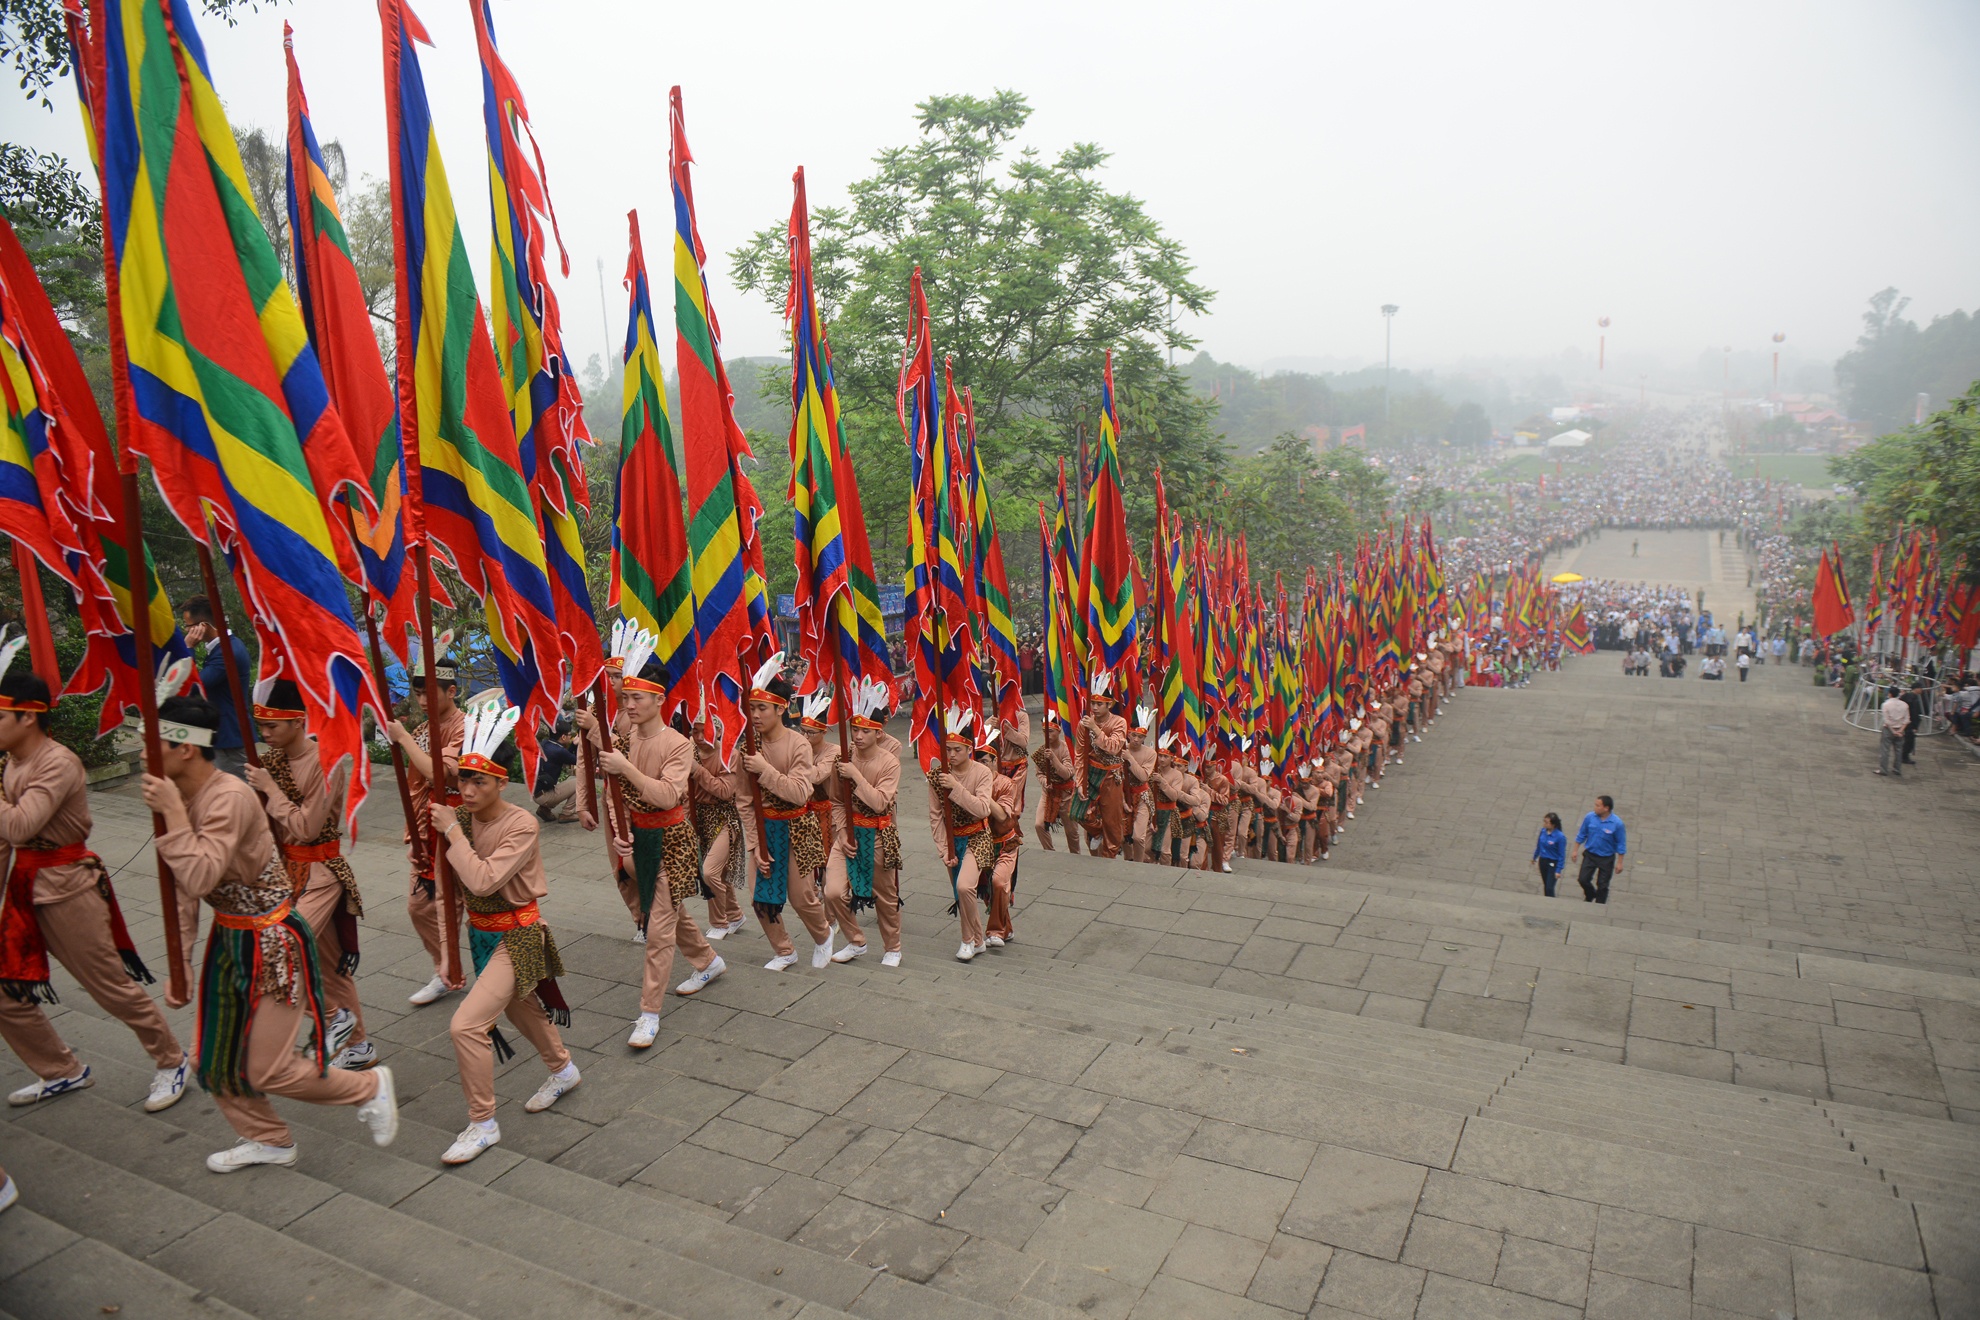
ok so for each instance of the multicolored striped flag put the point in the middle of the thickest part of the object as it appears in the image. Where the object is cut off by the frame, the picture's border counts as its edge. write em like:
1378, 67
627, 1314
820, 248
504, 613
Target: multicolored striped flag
731, 606
1061, 702
651, 582
838, 600
468, 491
80, 456
544, 406
47, 507
1106, 592
919, 411
991, 587
228, 401
338, 322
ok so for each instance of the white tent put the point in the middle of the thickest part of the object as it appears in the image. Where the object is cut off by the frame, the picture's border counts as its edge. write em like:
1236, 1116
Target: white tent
1569, 440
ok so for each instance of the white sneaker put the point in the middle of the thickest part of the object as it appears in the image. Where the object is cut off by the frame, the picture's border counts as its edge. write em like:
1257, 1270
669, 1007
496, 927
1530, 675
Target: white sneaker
554, 1088
473, 1140
695, 984
966, 952
993, 941
244, 1153
1418, 736
37, 1091
891, 958
167, 1085
733, 926
356, 1058
1227, 865
1350, 815
437, 988
717, 933
821, 954
9, 1193
1377, 783
342, 1023
639, 935
782, 962
644, 1031
850, 952
380, 1114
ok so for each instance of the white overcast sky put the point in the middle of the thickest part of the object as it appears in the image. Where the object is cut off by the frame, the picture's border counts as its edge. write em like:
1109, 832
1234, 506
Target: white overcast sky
1703, 173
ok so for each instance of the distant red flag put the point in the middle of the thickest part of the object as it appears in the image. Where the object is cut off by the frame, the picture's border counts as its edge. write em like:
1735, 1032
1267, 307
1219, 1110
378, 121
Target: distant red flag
1833, 612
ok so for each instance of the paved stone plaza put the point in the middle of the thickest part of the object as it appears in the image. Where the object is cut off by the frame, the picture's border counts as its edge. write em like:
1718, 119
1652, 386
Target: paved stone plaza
1401, 1084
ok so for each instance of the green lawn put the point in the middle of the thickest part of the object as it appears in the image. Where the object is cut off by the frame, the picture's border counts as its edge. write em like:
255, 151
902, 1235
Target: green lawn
1802, 469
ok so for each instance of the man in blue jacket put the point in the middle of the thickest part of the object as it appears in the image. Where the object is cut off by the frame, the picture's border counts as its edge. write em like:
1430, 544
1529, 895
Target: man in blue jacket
196, 616
1601, 843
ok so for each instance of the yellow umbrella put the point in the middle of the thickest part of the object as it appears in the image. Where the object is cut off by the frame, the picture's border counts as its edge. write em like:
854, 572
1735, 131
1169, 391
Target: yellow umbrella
1566, 577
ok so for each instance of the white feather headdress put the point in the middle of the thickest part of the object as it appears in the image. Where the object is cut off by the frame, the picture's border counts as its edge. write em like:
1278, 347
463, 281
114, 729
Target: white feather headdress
957, 719
1144, 717
632, 647
441, 667
817, 705
872, 702
1101, 682
8, 650
766, 673
481, 737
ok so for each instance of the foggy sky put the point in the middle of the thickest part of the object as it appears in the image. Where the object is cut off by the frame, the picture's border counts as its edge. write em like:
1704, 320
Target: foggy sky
1700, 173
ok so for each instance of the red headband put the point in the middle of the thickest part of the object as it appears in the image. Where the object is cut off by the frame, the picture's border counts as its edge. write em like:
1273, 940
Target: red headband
262, 712
476, 764
765, 694
25, 707
644, 685
863, 722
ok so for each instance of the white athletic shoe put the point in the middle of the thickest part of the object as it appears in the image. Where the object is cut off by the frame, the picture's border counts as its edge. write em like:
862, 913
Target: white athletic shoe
1227, 867
821, 954
783, 962
1350, 815
554, 1088
437, 988
891, 958
717, 933
9, 1193
167, 1085
1418, 737
356, 1058
966, 952
735, 925
639, 934
342, 1023
850, 952
993, 941
37, 1091
644, 1031
245, 1152
380, 1114
473, 1140
695, 984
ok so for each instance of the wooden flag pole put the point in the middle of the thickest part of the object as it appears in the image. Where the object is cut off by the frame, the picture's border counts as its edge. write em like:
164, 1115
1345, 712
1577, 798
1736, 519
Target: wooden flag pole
224, 640
413, 832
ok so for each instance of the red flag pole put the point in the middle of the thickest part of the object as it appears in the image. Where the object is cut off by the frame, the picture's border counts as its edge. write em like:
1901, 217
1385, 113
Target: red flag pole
398, 757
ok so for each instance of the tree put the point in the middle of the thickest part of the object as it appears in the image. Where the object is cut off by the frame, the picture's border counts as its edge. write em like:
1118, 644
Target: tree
1033, 271
1296, 509
1468, 425
1924, 476
1894, 361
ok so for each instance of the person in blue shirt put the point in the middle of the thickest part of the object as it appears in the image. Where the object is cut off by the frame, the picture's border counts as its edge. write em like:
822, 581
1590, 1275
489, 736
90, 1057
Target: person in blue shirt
1601, 843
229, 752
1550, 852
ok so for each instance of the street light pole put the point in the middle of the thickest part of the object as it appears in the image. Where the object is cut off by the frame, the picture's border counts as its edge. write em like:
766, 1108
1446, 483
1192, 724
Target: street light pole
1389, 311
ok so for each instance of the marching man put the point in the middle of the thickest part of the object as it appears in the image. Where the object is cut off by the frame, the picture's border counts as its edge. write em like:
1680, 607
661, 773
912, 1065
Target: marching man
963, 831
872, 846
787, 871
1137, 766
1055, 782
307, 814
497, 858
422, 905
1102, 740
650, 761
260, 979
59, 902
721, 802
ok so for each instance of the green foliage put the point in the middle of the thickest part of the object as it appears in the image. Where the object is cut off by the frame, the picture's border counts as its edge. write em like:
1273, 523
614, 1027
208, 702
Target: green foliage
1297, 509
1894, 362
1033, 271
1924, 476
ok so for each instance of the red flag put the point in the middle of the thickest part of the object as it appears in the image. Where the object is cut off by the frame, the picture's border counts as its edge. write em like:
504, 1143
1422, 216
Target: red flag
1832, 608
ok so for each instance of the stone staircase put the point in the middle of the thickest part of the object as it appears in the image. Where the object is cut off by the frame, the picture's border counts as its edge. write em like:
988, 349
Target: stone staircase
118, 1209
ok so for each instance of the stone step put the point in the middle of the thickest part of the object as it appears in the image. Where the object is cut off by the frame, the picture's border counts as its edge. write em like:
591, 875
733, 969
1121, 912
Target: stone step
1539, 1109
239, 1260
726, 1255
51, 1273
